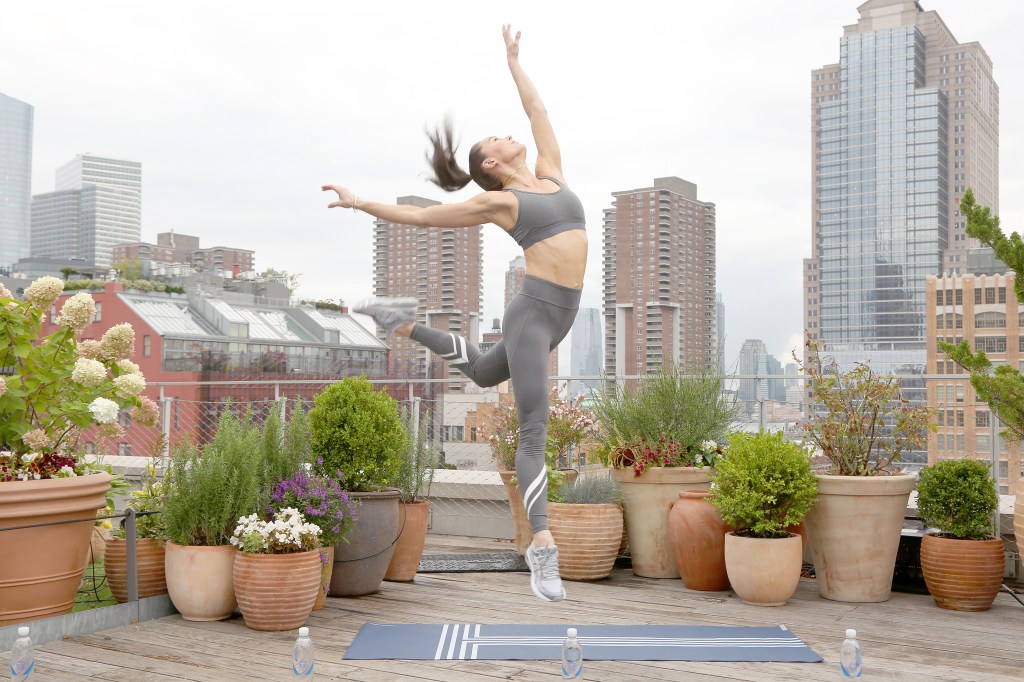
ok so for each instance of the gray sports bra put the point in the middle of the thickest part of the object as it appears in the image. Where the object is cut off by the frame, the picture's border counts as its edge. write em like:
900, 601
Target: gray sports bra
545, 215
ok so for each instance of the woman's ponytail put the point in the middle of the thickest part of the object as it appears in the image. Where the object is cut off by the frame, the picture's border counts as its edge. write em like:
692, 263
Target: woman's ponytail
448, 175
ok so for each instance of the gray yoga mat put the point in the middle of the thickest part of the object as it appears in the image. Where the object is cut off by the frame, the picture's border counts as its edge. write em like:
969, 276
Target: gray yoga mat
472, 641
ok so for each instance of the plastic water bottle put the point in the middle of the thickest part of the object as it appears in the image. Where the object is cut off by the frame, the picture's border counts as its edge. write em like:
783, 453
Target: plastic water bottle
23, 660
572, 656
849, 657
302, 655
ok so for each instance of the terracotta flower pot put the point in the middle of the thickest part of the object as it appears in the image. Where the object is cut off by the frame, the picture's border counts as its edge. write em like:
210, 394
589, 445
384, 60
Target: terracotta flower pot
326, 569
962, 575
524, 534
40, 575
648, 499
587, 536
360, 563
200, 582
697, 533
149, 557
854, 530
763, 571
276, 591
413, 519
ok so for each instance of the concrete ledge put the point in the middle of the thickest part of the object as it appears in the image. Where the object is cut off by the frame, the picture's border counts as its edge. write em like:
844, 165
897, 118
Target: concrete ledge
87, 622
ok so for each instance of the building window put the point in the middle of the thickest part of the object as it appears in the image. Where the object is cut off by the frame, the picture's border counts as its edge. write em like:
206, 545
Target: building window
990, 295
938, 297
146, 346
960, 418
99, 312
990, 344
959, 442
124, 449
981, 419
1004, 469
990, 320
983, 442
941, 394
941, 418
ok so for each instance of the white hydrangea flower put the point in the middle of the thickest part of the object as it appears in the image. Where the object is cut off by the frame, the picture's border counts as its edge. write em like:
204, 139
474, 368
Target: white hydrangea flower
128, 367
90, 348
129, 385
3, 386
77, 312
38, 440
43, 292
118, 342
5, 292
104, 411
89, 372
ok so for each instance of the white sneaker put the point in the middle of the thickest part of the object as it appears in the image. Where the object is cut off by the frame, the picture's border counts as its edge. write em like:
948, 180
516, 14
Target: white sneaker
544, 576
390, 313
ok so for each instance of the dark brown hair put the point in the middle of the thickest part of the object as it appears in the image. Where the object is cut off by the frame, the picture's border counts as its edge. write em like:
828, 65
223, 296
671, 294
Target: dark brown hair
448, 175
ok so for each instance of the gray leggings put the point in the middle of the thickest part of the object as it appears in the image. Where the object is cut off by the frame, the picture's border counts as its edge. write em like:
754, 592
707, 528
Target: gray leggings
536, 320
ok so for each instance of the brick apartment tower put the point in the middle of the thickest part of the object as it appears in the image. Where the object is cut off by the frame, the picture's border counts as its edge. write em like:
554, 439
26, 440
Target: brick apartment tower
900, 127
659, 279
442, 269
514, 277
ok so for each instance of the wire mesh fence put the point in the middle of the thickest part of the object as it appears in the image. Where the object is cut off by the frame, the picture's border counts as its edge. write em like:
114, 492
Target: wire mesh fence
459, 418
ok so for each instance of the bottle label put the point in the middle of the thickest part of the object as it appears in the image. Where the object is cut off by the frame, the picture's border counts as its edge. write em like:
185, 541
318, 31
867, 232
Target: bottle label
22, 668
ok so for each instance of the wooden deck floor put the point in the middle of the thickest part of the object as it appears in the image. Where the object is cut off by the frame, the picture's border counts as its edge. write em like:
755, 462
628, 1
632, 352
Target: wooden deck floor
906, 638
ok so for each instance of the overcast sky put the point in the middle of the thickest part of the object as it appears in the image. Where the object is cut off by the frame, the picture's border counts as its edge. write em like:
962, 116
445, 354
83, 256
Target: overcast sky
240, 111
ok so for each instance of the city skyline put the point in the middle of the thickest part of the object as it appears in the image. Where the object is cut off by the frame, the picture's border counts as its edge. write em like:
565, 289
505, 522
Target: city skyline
228, 162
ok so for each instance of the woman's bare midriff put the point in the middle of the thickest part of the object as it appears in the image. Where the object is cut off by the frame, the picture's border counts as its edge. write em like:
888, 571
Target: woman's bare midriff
561, 259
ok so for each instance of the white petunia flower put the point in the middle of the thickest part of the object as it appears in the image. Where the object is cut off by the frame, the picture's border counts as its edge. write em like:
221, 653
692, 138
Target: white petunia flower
104, 411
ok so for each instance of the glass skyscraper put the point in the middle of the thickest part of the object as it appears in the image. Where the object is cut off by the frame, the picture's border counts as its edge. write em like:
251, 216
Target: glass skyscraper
586, 357
904, 122
15, 179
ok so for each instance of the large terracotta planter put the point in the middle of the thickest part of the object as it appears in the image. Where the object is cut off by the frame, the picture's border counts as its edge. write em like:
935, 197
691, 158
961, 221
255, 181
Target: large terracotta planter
854, 530
276, 592
149, 559
360, 563
413, 519
200, 580
697, 533
42, 567
326, 570
524, 534
962, 575
648, 499
587, 536
764, 571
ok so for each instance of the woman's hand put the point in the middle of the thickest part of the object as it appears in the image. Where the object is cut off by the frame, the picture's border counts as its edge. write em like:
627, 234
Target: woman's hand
511, 46
346, 199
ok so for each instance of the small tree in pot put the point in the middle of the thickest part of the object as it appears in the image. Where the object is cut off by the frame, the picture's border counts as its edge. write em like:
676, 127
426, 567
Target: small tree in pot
963, 562
762, 486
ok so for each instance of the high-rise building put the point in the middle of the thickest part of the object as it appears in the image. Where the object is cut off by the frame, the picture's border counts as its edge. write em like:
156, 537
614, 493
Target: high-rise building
16, 119
514, 277
586, 356
97, 205
442, 269
752, 363
901, 126
659, 279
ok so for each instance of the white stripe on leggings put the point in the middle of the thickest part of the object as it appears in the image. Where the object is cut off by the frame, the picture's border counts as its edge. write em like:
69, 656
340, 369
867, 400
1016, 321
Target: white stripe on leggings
538, 486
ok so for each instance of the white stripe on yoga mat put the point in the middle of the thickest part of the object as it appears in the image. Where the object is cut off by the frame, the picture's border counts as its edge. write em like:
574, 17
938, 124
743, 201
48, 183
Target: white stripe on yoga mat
440, 644
455, 637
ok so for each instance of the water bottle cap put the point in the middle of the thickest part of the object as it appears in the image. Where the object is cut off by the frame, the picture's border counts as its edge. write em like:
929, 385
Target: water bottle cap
571, 633
851, 633
23, 631
303, 632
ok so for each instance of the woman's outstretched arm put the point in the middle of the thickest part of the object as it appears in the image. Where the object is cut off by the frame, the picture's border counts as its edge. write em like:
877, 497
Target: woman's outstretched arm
549, 157
488, 207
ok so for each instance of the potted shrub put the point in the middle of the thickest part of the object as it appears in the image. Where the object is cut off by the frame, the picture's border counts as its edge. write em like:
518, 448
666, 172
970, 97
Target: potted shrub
762, 487
569, 425
586, 521
862, 424
323, 503
653, 436
413, 482
357, 435
209, 490
277, 573
51, 389
149, 541
1000, 387
963, 561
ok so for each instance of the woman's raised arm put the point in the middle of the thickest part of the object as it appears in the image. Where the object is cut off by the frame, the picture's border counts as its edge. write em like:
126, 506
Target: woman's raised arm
549, 156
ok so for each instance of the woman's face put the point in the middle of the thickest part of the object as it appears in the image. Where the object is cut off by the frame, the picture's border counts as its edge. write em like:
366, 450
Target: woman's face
503, 149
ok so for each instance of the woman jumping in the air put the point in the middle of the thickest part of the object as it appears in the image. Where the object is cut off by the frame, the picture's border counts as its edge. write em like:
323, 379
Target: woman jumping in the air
546, 219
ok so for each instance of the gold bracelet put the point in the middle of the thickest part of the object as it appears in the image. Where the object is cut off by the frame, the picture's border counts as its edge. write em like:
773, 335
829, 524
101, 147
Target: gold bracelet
355, 204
